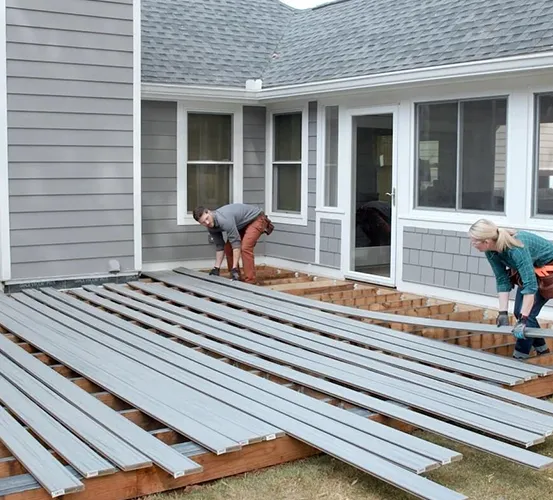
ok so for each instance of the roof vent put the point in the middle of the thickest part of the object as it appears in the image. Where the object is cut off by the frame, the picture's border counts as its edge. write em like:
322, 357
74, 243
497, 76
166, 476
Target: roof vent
254, 84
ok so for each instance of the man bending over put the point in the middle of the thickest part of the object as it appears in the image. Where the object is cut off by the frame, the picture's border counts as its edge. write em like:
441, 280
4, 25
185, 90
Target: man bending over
244, 224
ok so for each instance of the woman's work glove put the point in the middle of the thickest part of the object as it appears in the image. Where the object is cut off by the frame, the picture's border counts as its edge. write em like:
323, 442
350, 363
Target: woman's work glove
502, 319
520, 328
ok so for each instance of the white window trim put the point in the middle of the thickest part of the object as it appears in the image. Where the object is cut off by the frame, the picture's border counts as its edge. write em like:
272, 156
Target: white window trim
280, 217
137, 137
460, 216
5, 250
321, 170
185, 107
534, 221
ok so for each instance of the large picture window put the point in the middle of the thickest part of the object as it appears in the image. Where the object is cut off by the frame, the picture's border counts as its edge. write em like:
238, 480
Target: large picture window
543, 158
287, 162
461, 154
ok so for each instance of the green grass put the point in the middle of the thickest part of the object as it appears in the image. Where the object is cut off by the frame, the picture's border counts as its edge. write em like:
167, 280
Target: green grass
480, 476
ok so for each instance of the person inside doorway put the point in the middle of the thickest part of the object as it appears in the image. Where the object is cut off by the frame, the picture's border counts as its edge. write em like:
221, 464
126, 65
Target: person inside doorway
518, 258
244, 225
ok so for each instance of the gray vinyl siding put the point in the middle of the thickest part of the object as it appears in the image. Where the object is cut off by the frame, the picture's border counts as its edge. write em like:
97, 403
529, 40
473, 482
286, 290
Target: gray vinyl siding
331, 241
254, 162
292, 242
445, 259
70, 136
163, 240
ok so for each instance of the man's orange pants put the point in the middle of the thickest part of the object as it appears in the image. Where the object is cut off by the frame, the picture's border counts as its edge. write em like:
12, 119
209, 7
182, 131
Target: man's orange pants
249, 235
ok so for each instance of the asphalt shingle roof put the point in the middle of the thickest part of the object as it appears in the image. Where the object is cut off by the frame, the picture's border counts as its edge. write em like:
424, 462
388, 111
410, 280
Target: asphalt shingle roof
225, 42
210, 42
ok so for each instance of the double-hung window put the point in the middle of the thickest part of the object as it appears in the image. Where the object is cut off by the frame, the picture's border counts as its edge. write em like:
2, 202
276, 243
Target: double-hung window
287, 166
209, 159
461, 151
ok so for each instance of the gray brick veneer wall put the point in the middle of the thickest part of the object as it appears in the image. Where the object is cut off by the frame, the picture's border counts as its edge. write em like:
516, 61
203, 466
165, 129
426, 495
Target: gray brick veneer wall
331, 241
446, 259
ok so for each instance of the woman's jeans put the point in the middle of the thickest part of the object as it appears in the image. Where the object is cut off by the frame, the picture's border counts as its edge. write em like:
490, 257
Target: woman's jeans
524, 346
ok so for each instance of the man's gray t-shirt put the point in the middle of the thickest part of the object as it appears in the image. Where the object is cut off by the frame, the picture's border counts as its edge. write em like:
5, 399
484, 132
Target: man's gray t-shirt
231, 219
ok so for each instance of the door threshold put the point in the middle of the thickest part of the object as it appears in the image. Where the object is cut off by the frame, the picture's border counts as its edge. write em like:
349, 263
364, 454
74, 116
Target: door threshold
370, 278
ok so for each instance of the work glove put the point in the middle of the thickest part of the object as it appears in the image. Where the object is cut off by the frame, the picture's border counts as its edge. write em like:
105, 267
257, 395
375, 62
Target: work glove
214, 272
520, 328
502, 319
234, 274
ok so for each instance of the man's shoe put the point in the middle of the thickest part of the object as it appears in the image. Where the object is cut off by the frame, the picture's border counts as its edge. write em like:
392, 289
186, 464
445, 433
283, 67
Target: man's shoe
539, 353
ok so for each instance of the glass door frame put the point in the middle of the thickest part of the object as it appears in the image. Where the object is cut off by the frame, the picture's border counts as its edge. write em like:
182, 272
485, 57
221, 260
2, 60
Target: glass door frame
348, 193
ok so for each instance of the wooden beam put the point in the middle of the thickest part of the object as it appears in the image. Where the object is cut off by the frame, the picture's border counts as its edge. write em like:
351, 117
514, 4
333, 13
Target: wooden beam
132, 484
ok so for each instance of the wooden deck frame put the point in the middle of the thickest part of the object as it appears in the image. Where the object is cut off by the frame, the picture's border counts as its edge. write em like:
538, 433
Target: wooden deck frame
132, 484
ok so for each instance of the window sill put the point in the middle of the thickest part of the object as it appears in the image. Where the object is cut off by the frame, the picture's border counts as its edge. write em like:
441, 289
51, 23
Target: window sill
541, 223
284, 218
468, 218
187, 220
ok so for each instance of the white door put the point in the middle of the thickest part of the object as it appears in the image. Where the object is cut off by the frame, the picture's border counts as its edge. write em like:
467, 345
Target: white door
369, 149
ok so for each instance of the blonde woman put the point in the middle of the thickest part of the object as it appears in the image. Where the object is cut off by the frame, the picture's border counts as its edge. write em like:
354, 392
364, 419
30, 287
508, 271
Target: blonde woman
513, 256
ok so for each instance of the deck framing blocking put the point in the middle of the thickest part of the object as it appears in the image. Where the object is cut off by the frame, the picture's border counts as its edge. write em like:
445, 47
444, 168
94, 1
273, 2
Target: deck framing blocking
136, 483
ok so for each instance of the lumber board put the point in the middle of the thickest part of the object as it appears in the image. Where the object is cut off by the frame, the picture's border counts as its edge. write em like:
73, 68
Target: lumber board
162, 455
354, 455
146, 355
326, 318
407, 347
487, 388
402, 392
389, 409
496, 373
392, 410
378, 362
259, 429
214, 427
50, 473
373, 315
121, 383
66, 444
120, 453
93, 317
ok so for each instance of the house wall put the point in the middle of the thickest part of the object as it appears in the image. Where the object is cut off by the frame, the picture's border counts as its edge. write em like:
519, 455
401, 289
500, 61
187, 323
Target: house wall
297, 242
70, 136
433, 255
330, 242
163, 240
445, 258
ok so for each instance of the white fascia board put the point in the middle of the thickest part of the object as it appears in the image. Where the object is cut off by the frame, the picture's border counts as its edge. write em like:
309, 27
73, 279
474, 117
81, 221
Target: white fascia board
459, 71
171, 92
476, 69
